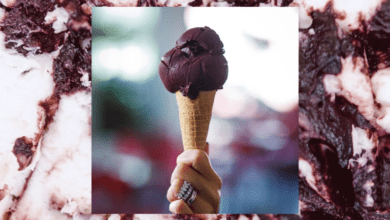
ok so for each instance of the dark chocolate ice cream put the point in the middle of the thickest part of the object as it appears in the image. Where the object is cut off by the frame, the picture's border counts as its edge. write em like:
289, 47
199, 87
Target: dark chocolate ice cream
195, 64
343, 170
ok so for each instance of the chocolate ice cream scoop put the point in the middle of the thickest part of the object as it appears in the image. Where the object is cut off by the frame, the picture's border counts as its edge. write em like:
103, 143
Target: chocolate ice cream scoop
195, 64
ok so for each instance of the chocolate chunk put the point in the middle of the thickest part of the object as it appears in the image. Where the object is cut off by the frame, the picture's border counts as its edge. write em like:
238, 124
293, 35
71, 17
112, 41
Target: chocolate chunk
148, 3
378, 36
244, 3
25, 28
339, 183
338, 179
321, 52
196, 3
127, 217
23, 150
286, 3
186, 217
72, 62
57, 203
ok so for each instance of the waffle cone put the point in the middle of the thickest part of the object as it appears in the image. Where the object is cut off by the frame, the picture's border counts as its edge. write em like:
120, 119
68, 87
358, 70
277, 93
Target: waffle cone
195, 118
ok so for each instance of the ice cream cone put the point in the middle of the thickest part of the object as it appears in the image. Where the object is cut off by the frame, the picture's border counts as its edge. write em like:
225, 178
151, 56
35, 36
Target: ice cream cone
195, 116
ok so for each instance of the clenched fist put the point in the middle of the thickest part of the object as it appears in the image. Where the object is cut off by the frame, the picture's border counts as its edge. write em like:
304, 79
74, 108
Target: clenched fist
194, 167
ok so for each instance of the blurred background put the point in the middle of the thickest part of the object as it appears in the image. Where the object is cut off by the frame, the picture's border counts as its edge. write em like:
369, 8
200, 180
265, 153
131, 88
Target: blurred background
253, 133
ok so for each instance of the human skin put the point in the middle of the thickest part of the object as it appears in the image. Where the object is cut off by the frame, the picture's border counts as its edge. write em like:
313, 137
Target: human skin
194, 166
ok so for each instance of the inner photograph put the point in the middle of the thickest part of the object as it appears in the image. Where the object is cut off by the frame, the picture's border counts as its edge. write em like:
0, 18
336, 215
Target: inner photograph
195, 110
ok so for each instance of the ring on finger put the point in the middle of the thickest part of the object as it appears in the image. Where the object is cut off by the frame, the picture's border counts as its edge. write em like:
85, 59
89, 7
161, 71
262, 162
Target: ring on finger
187, 193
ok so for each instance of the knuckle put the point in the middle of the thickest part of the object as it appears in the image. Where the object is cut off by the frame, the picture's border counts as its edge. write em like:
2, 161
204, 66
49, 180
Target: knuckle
174, 190
181, 207
181, 169
179, 172
173, 207
180, 157
169, 196
177, 207
176, 182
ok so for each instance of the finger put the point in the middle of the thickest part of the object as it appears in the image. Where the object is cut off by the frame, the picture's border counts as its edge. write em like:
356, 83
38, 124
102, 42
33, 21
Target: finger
200, 204
199, 160
179, 207
205, 188
174, 189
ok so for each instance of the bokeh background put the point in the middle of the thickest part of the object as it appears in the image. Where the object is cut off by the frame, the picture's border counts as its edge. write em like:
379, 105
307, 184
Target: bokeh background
253, 133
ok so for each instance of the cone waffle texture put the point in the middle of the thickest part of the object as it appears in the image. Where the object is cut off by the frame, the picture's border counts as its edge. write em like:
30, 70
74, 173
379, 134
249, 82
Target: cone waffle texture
195, 118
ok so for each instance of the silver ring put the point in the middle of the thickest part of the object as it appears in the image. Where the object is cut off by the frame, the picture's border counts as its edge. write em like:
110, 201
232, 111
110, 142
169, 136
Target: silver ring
192, 198
187, 193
